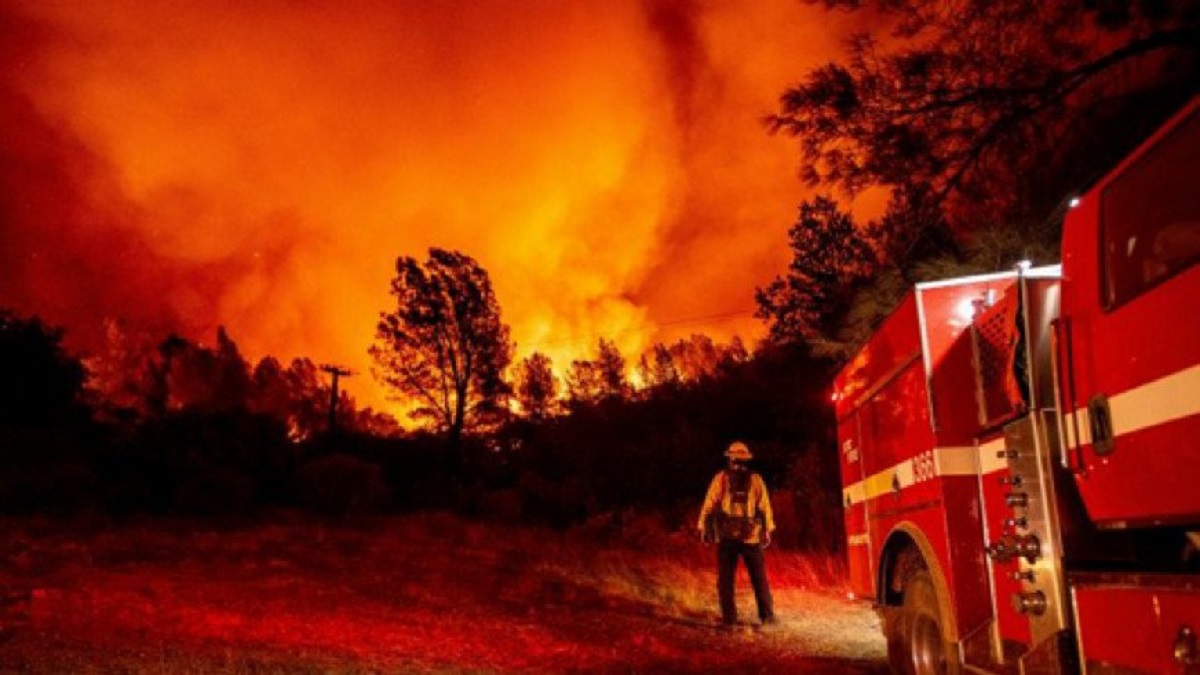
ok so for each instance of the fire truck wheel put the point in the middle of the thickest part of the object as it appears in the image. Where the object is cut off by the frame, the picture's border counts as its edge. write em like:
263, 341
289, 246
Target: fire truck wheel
915, 644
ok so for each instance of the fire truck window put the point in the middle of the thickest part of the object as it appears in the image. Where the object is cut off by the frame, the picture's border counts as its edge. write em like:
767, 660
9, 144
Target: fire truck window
1151, 216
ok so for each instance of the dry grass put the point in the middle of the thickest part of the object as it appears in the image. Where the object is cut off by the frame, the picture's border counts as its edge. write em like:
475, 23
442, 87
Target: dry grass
427, 594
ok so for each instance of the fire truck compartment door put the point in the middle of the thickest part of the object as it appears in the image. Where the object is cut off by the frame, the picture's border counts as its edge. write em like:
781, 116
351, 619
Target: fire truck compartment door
1138, 628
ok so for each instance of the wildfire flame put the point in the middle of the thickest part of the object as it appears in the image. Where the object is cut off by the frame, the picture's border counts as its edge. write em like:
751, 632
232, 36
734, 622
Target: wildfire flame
261, 165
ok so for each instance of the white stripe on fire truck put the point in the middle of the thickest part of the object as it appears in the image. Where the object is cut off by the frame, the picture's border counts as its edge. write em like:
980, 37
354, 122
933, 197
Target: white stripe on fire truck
855, 493
990, 458
861, 539
941, 461
956, 461
1163, 400
1158, 402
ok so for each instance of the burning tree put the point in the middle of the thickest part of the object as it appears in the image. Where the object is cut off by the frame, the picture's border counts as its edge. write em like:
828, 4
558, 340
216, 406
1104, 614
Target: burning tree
537, 387
444, 347
589, 382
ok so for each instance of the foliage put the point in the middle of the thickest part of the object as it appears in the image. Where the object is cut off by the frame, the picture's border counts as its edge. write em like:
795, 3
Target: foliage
136, 379
208, 379
214, 492
991, 108
831, 257
845, 278
657, 368
657, 452
341, 485
978, 119
537, 386
590, 382
300, 396
583, 383
42, 383
688, 361
207, 435
610, 365
444, 346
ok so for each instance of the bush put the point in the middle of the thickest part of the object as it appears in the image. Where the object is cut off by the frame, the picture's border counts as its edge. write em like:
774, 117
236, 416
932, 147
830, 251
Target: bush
502, 505
60, 488
341, 485
218, 492
546, 501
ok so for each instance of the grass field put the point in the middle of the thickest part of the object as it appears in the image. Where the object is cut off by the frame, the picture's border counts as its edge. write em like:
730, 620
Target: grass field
406, 594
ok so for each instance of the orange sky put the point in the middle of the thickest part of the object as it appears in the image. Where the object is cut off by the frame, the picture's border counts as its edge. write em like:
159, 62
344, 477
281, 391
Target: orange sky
262, 164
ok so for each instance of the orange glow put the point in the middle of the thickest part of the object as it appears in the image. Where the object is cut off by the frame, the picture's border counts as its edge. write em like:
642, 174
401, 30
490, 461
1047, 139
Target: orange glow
262, 164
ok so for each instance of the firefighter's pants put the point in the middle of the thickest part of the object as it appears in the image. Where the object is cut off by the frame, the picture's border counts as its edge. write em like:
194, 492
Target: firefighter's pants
728, 553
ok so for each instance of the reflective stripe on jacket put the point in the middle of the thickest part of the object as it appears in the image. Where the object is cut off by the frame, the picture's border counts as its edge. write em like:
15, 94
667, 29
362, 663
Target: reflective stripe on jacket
758, 501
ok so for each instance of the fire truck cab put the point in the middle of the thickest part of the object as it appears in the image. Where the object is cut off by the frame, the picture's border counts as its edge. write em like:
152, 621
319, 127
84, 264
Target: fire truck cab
1020, 451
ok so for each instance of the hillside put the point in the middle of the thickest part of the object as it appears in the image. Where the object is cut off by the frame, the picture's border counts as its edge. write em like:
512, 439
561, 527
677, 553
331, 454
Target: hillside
409, 594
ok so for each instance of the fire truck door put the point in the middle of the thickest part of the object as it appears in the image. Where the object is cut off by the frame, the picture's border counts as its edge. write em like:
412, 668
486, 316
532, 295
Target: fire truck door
1134, 397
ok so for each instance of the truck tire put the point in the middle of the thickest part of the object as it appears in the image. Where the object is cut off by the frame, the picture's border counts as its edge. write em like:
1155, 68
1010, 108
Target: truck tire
914, 633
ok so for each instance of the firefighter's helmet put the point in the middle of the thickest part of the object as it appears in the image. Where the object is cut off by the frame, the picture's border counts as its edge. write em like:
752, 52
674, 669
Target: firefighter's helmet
738, 450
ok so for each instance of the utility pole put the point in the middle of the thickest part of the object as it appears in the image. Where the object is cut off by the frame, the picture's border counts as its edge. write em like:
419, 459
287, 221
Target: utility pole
336, 372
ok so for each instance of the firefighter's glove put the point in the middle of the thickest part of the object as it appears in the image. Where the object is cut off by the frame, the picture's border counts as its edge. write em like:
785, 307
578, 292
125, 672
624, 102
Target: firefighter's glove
766, 539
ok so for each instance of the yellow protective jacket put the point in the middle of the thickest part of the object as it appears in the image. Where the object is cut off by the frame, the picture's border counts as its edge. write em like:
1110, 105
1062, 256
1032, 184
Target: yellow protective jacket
758, 502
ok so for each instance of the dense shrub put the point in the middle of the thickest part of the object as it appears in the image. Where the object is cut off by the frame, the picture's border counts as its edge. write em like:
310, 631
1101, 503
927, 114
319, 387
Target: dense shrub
505, 505
558, 504
215, 492
60, 488
341, 485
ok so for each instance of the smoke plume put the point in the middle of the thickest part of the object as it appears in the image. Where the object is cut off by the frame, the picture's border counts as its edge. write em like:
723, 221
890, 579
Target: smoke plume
260, 165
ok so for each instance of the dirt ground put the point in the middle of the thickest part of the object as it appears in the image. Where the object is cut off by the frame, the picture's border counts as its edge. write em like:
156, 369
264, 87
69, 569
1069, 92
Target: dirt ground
411, 594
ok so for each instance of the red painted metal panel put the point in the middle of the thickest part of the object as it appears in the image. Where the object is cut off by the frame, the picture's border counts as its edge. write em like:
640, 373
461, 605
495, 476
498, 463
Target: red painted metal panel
1134, 627
965, 562
860, 555
1119, 349
1149, 477
895, 343
949, 308
859, 550
948, 313
895, 422
954, 399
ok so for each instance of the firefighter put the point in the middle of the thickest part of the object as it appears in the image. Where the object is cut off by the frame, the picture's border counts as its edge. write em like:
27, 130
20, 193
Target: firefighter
737, 515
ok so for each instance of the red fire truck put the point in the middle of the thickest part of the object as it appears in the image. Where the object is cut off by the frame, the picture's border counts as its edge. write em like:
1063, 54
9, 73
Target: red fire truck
1020, 451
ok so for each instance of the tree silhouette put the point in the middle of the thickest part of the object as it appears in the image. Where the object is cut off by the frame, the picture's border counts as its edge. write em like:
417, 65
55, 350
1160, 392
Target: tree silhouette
592, 381
991, 109
537, 387
42, 384
689, 361
207, 379
123, 376
657, 368
583, 383
610, 369
296, 395
444, 347
830, 257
